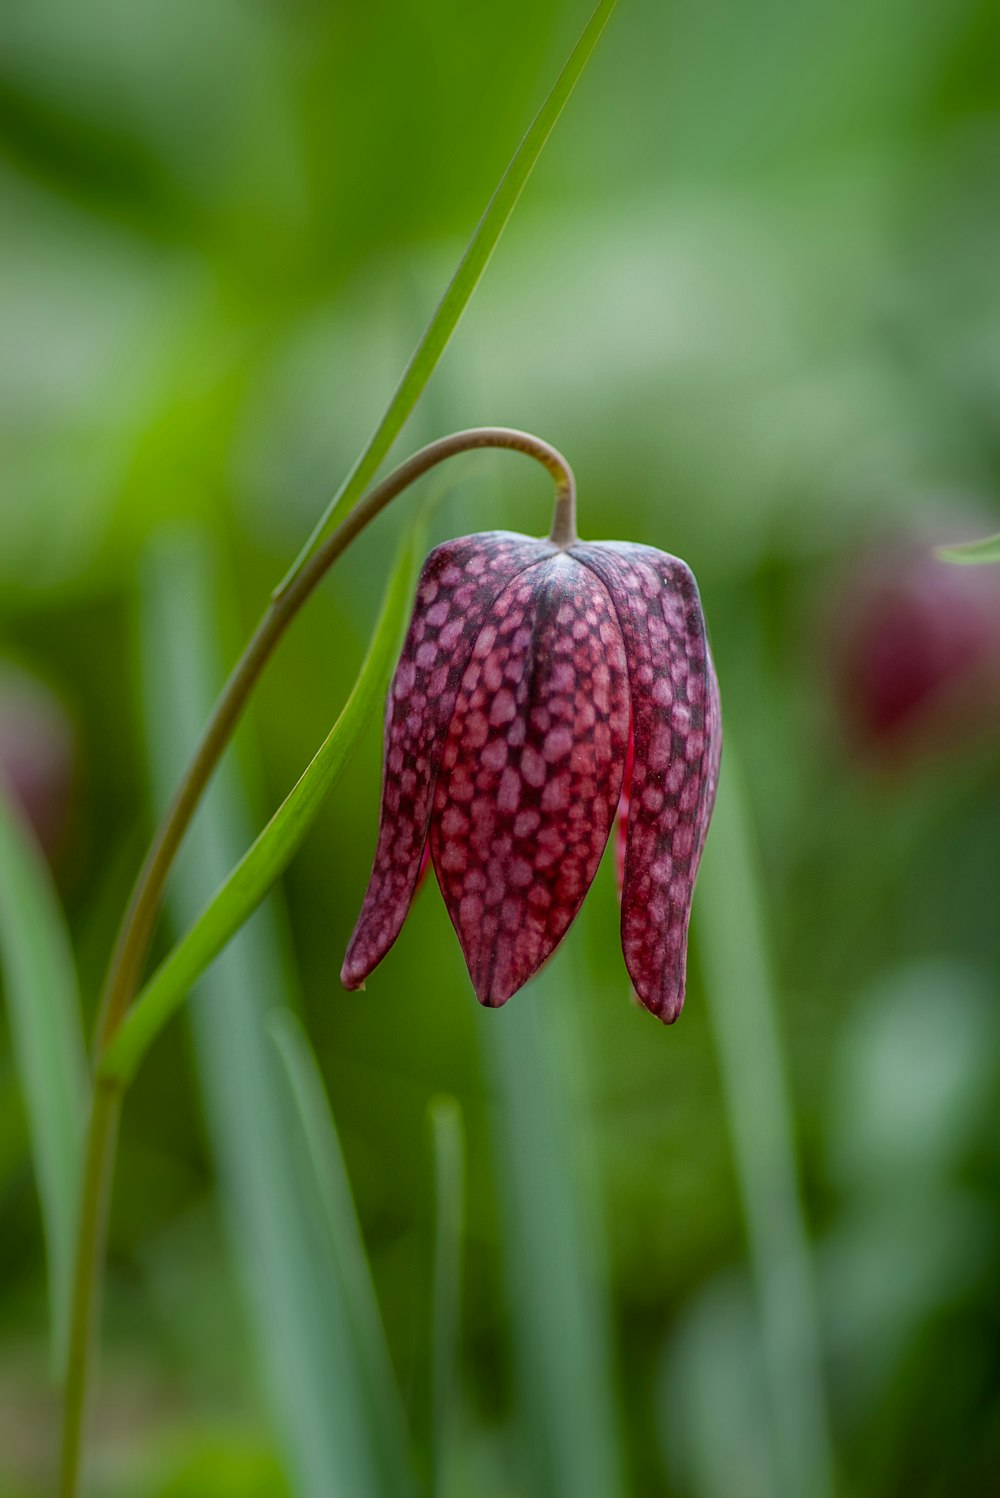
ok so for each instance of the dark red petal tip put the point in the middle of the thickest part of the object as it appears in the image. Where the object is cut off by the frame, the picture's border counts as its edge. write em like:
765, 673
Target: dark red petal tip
459, 582
531, 772
676, 740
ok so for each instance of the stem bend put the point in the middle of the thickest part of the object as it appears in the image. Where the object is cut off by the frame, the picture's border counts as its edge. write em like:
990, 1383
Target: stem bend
135, 933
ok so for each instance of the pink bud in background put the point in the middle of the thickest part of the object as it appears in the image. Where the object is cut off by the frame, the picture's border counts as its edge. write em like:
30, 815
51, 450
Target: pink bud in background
37, 754
917, 648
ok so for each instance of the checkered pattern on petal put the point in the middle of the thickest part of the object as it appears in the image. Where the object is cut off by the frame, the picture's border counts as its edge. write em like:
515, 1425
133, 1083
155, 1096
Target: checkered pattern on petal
531, 772
458, 586
676, 735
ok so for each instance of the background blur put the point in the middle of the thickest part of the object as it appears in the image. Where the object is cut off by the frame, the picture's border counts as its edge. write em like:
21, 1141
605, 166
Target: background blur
752, 292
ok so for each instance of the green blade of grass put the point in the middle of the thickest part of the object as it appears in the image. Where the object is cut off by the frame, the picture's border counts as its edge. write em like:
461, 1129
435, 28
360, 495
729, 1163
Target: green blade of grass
972, 553
15, 1141
331, 1437
333, 1191
744, 1015
266, 860
47, 1036
464, 282
552, 1249
449, 1194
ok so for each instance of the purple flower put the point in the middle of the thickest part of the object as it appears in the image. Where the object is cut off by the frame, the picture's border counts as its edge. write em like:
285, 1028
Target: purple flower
917, 650
542, 689
38, 754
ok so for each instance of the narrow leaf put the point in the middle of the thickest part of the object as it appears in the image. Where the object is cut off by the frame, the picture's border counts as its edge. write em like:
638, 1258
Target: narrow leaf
744, 1014
47, 1036
972, 552
552, 1247
332, 1437
333, 1191
449, 1194
464, 282
264, 863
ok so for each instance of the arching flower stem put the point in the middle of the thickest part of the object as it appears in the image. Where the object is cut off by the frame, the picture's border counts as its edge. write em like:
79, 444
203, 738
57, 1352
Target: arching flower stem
136, 930
137, 926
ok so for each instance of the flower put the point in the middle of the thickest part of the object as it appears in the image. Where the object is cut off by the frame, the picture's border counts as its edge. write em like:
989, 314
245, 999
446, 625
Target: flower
917, 650
542, 688
38, 754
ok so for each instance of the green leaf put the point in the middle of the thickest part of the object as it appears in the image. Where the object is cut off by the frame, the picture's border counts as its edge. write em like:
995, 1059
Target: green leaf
333, 1191
972, 552
47, 1036
264, 863
449, 1194
331, 1436
552, 1244
742, 1006
459, 293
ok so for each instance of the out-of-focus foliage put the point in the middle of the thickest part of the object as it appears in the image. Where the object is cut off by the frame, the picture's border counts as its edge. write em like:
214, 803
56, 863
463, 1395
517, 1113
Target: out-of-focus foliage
43, 1010
751, 291
986, 550
259, 869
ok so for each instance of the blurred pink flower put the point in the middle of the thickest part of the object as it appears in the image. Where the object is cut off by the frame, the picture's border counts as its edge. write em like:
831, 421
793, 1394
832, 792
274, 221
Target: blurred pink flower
540, 690
37, 754
918, 650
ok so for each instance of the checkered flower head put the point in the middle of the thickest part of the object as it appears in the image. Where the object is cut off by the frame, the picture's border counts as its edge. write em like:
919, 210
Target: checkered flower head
542, 691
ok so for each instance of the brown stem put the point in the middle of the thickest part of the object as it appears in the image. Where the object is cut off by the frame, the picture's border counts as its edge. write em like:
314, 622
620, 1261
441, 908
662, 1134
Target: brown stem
137, 926
102, 1135
136, 930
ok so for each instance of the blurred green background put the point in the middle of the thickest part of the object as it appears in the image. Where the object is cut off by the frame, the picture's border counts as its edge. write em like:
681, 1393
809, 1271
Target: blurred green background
752, 292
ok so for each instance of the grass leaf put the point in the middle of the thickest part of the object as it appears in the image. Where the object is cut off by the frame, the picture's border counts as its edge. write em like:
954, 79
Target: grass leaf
333, 1191
266, 860
552, 1249
449, 1194
331, 1435
44, 1012
972, 552
744, 1014
464, 282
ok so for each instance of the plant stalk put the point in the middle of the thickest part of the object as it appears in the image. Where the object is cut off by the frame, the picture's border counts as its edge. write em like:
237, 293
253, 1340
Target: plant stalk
744, 1014
136, 931
102, 1135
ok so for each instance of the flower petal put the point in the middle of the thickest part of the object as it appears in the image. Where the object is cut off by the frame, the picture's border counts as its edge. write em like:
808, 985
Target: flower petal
531, 772
457, 587
677, 740
621, 816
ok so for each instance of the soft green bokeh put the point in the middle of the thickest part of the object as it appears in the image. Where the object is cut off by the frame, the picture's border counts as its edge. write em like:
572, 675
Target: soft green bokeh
751, 291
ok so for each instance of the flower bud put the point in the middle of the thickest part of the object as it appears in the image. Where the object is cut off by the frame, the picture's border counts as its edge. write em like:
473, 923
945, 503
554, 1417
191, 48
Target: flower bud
918, 651
37, 754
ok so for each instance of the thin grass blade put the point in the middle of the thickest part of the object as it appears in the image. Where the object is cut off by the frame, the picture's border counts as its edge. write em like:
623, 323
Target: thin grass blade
552, 1247
333, 1192
266, 860
47, 1036
449, 1196
744, 1015
330, 1434
971, 553
477, 255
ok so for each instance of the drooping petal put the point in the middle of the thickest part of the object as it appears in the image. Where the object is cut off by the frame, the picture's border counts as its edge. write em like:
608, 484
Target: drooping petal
713, 732
531, 772
677, 742
425, 863
457, 587
621, 816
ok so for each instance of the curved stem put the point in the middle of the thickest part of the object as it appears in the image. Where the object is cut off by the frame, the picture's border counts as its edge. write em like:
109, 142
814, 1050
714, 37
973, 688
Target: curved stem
137, 926
102, 1134
563, 532
136, 930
